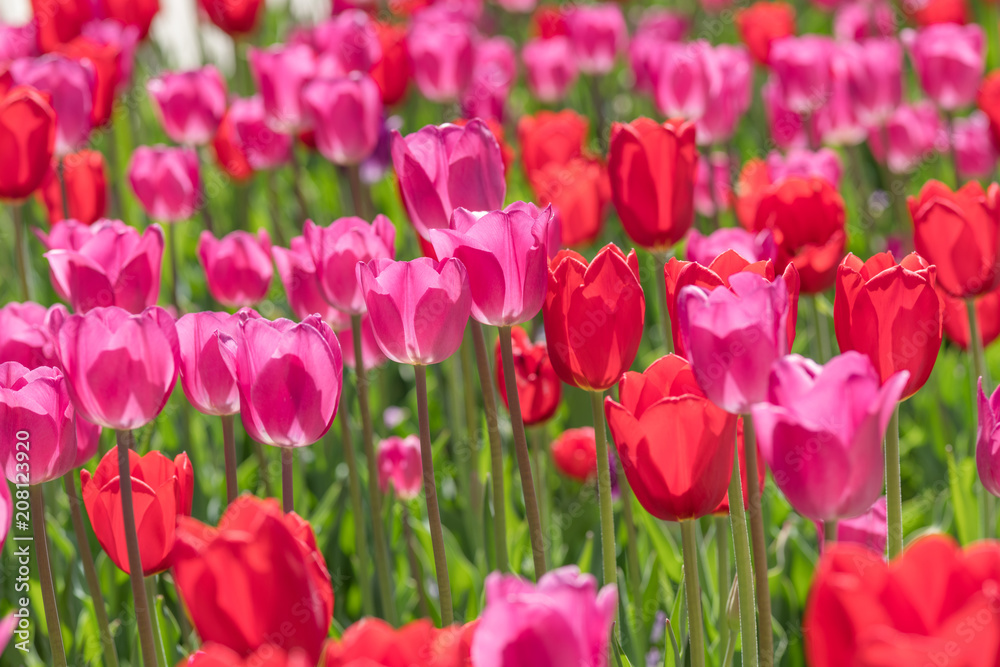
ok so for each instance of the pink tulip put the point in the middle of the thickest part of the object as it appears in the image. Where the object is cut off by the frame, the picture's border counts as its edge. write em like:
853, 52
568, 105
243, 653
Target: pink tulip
875, 78
371, 353
166, 181
124, 37
42, 437
949, 60
347, 43
208, 360
712, 190
25, 335
190, 105
442, 168
732, 336
336, 251
688, 79
418, 309
787, 128
862, 19
298, 275
443, 54
237, 266
494, 73
730, 101
66, 235
518, 6
836, 120
915, 134
17, 41
281, 72
72, 85
824, 163
550, 68
561, 620
116, 266
657, 28
263, 147
974, 148
120, 368
399, 463
801, 66
346, 115
751, 246
598, 34
507, 257
870, 529
988, 440
8, 624
821, 430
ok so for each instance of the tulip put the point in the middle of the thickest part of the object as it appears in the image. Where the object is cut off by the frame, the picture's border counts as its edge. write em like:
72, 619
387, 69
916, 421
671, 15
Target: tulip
374, 643
712, 191
166, 181
116, 267
579, 192
862, 608
234, 18
347, 43
6, 514
652, 169
561, 618
442, 53
975, 152
86, 189
237, 266
120, 368
25, 334
593, 316
550, 68
430, 191
821, 432
268, 655
824, 163
548, 22
956, 318
551, 137
959, 232
891, 313
190, 105
687, 80
71, 86
496, 129
598, 34
138, 13
538, 388
836, 120
575, 453
393, 70
859, 20
346, 115
258, 574
875, 78
762, 24
260, 147
788, 128
869, 529
914, 133
28, 129
231, 155
371, 354
298, 275
207, 360
105, 58
124, 37
62, 22
987, 441
163, 491
752, 247
494, 73
399, 463
988, 101
730, 100
949, 61
802, 69
658, 27
281, 72
336, 251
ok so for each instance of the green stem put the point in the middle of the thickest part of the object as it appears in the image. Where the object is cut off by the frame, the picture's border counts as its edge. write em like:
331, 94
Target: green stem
521, 450
829, 533
357, 509
659, 278
696, 631
821, 330
604, 491
758, 543
722, 565
950, 127
172, 251
363, 206
979, 369
538, 455
471, 456
430, 492
632, 555
744, 568
297, 187
287, 479
893, 487
20, 251
37, 496
263, 471
161, 651
415, 570
61, 175
229, 445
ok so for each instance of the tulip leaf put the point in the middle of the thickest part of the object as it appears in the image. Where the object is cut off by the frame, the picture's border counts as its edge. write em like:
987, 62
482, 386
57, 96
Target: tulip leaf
961, 481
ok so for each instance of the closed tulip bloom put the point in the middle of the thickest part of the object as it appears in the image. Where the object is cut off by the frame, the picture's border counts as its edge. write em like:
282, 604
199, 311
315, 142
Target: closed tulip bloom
268, 655
732, 97
788, 129
956, 318
949, 60
234, 17
988, 101
975, 152
63, 21
162, 490
494, 73
538, 387
563, 619
262, 147
290, 377
124, 38
859, 20
281, 71
942, 11
392, 71
25, 334
763, 23
105, 58
870, 529
824, 163
821, 432
550, 68
891, 313
230, 154
166, 181
836, 120
442, 52
336, 250
418, 309
801, 66
237, 266
915, 135
652, 169
579, 192
551, 137
875, 78
207, 353
712, 190
305, 297
442, 168
247, 581
73, 235
346, 43
346, 116
687, 79
658, 27
598, 34
190, 105
399, 464
86, 188
751, 246
574, 453
120, 368
70, 85
593, 316
371, 642
28, 130
959, 232
117, 266
987, 440
138, 13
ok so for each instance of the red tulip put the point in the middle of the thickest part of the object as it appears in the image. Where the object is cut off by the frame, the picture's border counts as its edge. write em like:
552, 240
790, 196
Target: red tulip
28, 130
86, 188
593, 316
988, 101
723, 507
653, 169
138, 13
162, 491
256, 579
59, 22
234, 17
890, 312
106, 58
575, 453
959, 232
538, 386
268, 655
675, 445
763, 23
392, 72
551, 137
579, 192
371, 642
231, 154
548, 22
956, 318
941, 11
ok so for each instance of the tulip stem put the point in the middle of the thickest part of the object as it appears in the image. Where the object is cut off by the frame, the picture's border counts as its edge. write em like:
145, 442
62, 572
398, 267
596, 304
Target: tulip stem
631, 552
37, 496
949, 117
229, 444
263, 472
161, 651
594, 86
297, 187
90, 572
604, 491
822, 332
979, 369
415, 570
143, 620
475, 509
722, 565
496, 447
61, 175
893, 487
758, 541
430, 492
20, 251
829, 533
287, 479
172, 250
692, 588
357, 509
744, 569
711, 190
521, 449
359, 195
661, 287
374, 494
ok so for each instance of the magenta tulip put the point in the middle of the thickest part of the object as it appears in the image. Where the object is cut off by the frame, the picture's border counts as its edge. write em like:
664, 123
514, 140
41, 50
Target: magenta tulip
734, 335
399, 464
116, 266
418, 309
875, 78
347, 43
730, 101
190, 105
494, 73
988, 440
687, 80
66, 235
821, 431
298, 275
290, 377
25, 334
263, 147
237, 266
870, 529
8, 624
346, 116
751, 246
836, 119
506, 254
657, 28
71, 85
442, 168
442, 52
166, 181
975, 152
17, 41
125, 38
281, 72
550, 67
598, 34
949, 60
801, 66
824, 163
207, 360
336, 251
120, 368
915, 134
712, 188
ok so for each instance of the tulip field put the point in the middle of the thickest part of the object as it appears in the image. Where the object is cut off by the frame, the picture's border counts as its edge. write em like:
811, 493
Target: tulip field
501, 333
